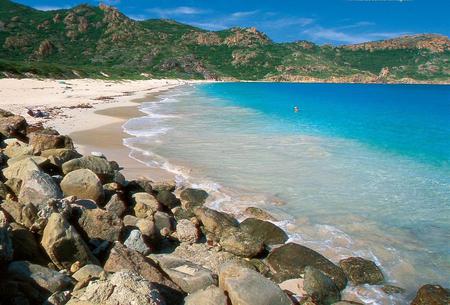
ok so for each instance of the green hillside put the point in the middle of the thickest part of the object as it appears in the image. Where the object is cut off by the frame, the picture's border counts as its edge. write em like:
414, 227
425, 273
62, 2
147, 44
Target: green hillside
88, 41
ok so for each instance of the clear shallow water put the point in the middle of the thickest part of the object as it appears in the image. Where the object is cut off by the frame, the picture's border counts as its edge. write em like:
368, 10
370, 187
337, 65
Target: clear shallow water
360, 170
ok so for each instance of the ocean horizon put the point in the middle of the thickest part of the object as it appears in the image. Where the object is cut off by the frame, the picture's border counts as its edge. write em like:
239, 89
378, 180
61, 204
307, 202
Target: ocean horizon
356, 170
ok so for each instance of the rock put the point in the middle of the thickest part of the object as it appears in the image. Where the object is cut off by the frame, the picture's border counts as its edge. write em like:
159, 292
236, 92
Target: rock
14, 185
320, 287
168, 186
145, 205
116, 206
4, 191
136, 242
431, 295
121, 258
38, 189
130, 221
6, 245
59, 156
21, 170
191, 198
390, 289
186, 231
24, 214
101, 224
63, 244
17, 148
266, 231
139, 186
258, 213
13, 126
241, 243
40, 161
347, 303
101, 167
167, 199
42, 277
163, 220
209, 296
187, 275
84, 184
124, 288
361, 271
26, 246
147, 228
215, 222
289, 261
248, 287
41, 141
58, 298
88, 271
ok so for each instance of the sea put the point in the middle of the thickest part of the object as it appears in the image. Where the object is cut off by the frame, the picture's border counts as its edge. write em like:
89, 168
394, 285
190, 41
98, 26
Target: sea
357, 170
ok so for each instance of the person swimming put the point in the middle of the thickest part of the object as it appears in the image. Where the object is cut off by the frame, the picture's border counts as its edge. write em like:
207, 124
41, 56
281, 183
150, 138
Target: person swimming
296, 109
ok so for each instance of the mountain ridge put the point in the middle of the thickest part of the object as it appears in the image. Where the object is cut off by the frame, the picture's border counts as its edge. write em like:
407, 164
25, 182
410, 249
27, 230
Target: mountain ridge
91, 41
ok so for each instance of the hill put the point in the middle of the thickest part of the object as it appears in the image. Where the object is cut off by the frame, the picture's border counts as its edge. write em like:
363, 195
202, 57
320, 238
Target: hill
88, 41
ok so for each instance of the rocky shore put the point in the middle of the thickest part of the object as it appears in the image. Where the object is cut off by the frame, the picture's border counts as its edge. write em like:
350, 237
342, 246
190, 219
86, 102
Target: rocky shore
74, 230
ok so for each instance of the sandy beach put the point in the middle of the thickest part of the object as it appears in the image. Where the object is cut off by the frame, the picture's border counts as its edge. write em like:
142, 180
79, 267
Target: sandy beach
91, 111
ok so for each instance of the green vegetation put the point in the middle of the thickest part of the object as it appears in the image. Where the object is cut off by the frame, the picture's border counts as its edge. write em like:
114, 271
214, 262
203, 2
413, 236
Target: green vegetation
100, 42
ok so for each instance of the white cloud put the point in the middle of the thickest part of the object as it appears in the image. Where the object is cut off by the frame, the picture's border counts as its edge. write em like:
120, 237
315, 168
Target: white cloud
208, 26
244, 14
49, 7
321, 34
287, 22
176, 11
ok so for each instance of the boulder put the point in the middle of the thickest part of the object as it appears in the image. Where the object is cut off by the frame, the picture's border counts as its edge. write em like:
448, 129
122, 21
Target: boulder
84, 184
391, 289
135, 241
121, 258
100, 224
26, 245
13, 126
289, 261
187, 275
6, 245
320, 287
361, 271
209, 296
147, 228
124, 288
163, 220
193, 198
44, 278
4, 191
116, 206
16, 148
186, 231
266, 231
59, 156
63, 244
41, 141
14, 185
241, 243
24, 214
88, 271
139, 186
159, 186
258, 213
145, 205
40, 161
432, 295
215, 222
101, 167
167, 199
38, 189
21, 170
247, 287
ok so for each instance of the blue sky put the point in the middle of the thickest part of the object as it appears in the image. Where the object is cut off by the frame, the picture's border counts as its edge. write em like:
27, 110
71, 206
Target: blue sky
320, 21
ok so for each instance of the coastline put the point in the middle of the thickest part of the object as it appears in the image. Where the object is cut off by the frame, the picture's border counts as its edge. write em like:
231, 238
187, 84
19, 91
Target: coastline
82, 108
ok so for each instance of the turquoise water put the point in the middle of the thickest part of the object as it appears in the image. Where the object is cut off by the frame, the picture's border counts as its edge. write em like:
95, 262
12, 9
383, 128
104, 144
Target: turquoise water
359, 170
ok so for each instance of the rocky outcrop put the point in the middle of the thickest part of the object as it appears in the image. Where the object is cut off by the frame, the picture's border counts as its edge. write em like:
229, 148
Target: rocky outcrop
289, 261
247, 287
361, 271
84, 184
124, 288
432, 295
63, 244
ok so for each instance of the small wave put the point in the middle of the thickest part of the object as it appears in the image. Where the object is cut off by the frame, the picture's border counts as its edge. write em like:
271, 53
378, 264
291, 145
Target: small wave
147, 133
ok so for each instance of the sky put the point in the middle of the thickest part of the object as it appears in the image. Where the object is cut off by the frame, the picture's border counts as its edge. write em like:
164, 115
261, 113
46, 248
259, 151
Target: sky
322, 21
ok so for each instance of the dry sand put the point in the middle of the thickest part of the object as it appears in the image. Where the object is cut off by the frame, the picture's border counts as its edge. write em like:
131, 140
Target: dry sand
93, 129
